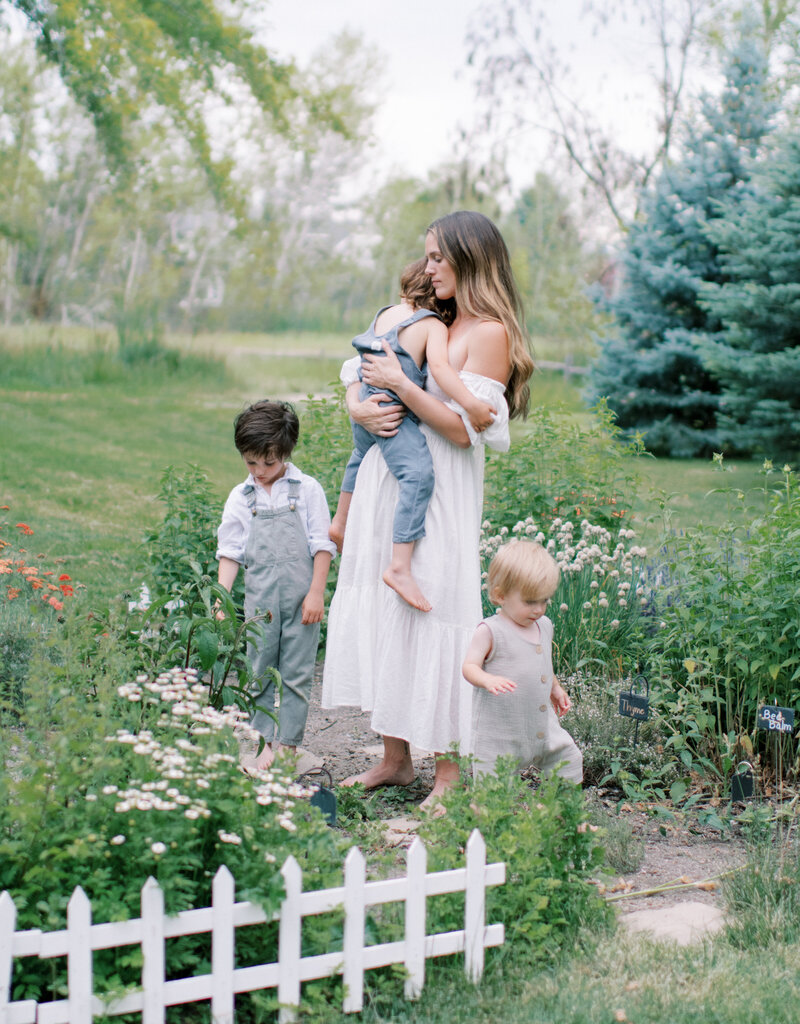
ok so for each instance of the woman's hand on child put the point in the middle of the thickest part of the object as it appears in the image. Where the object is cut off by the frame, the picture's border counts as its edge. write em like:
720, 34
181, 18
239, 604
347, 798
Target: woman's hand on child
383, 371
498, 684
379, 415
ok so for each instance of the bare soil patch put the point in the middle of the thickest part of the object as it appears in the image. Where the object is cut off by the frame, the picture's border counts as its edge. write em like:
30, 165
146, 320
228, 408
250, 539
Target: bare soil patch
674, 852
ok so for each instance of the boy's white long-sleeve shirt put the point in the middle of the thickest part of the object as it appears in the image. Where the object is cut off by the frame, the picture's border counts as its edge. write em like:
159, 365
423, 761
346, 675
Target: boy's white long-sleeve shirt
312, 506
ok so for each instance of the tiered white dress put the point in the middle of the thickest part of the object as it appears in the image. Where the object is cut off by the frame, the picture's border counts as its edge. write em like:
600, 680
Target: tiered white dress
382, 655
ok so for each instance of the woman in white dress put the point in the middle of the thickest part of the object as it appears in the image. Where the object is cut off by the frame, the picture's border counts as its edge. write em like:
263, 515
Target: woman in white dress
399, 663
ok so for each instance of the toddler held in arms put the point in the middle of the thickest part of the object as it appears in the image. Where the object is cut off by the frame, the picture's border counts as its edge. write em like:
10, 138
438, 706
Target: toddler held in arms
416, 332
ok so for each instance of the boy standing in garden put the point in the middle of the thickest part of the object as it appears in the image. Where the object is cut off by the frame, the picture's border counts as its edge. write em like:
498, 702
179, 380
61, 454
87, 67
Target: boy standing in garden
276, 525
517, 699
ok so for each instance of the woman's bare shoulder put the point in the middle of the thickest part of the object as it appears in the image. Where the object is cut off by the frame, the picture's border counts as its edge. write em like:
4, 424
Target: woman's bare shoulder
487, 350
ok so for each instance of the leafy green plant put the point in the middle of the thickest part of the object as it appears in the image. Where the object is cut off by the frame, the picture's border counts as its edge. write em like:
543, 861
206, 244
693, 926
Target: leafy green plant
198, 626
550, 849
187, 531
560, 468
137, 780
726, 636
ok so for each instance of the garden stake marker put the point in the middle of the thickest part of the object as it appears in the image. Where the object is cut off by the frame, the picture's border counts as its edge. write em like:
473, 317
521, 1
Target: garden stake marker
636, 705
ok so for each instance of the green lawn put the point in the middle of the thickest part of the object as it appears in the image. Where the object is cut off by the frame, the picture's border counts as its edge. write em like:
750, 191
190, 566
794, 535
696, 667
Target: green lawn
81, 461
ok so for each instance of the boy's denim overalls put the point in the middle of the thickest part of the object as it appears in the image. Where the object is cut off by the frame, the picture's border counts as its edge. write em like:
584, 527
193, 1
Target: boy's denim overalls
406, 453
278, 570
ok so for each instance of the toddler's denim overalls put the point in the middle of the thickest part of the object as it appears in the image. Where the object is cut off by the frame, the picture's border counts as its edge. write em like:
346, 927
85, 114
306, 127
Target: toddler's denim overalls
278, 570
406, 453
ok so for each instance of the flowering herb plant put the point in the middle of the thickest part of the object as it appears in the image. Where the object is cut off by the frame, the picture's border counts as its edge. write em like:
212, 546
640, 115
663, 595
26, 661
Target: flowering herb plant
596, 609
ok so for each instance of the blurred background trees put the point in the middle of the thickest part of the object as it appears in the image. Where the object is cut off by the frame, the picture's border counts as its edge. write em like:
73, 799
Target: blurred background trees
160, 170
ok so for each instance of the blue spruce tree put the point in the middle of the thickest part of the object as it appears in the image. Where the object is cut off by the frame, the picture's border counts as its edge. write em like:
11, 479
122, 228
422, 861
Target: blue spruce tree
649, 367
756, 354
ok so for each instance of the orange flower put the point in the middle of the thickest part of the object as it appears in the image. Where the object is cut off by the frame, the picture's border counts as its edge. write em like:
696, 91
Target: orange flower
5, 508
67, 590
63, 577
58, 605
36, 584
12, 592
25, 529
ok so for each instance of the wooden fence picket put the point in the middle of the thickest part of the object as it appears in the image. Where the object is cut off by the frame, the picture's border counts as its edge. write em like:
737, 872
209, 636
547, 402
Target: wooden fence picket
474, 907
355, 874
416, 867
223, 948
153, 953
79, 958
80, 938
289, 943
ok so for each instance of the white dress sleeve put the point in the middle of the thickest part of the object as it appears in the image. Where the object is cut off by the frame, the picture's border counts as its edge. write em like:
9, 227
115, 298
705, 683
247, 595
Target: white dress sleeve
349, 372
493, 392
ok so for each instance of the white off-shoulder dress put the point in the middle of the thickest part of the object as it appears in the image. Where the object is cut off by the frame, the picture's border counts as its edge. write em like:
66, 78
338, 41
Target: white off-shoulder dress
382, 655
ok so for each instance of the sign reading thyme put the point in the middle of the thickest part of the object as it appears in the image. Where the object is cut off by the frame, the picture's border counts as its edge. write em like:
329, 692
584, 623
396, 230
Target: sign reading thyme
634, 705
775, 719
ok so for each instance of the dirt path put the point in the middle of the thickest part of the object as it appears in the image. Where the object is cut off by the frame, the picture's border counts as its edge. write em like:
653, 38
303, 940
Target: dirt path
343, 741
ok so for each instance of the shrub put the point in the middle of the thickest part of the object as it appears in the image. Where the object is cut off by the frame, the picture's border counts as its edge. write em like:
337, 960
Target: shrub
559, 468
727, 641
550, 850
144, 780
613, 749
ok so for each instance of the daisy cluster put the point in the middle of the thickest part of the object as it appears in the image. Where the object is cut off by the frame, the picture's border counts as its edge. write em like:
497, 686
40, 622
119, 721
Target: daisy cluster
183, 768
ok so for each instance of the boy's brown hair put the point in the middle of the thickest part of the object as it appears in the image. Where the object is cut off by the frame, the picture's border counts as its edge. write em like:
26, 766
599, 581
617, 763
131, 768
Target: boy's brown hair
267, 429
525, 566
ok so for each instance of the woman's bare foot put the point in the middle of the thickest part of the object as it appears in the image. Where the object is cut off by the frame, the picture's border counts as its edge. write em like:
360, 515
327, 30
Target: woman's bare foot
336, 532
404, 584
265, 758
446, 775
396, 767
382, 775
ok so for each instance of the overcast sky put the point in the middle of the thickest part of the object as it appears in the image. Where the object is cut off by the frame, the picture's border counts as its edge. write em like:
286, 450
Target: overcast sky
425, 50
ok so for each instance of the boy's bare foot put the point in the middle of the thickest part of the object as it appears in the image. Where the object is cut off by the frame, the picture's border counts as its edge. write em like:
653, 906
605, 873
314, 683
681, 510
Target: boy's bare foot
404, 584
265, 758
382, 775
336, 533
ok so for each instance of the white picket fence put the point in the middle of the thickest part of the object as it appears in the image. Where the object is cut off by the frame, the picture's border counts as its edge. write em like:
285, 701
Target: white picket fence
151, 931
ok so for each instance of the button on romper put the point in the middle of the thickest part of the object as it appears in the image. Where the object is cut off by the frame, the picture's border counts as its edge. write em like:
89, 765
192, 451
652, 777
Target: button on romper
521, 724
278, 571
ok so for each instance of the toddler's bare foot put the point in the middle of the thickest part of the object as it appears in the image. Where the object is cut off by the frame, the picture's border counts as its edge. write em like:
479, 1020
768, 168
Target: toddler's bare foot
336, 533
404, 584
265, 758
382, 775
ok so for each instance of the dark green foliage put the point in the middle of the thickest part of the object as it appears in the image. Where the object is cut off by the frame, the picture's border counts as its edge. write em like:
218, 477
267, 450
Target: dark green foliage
559, 468
550, 853
188, 530
728, 638
756, 352
649, 367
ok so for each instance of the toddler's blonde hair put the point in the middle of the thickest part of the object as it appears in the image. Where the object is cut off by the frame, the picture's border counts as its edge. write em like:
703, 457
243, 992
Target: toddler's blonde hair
525, 566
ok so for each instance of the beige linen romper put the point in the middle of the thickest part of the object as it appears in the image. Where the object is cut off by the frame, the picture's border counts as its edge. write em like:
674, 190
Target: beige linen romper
522, 724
